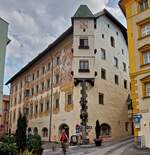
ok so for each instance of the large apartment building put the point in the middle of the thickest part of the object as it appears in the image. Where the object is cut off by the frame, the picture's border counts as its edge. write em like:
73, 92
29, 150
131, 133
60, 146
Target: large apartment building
3, 43
48, 88
138, 20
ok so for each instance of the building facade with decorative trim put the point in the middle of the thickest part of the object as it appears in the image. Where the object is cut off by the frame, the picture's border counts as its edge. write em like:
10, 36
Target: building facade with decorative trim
5, 115
48, 88
137, 13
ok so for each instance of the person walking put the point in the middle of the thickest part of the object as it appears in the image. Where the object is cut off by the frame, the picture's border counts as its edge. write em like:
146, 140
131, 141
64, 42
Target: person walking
64, 140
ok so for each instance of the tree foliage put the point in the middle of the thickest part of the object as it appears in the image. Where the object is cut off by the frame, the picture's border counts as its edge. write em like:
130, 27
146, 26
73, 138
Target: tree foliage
21, 132
97, 129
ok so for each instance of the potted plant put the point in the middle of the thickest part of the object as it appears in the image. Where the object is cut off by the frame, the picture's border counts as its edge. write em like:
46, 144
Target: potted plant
8, 146
98, 140
34, 144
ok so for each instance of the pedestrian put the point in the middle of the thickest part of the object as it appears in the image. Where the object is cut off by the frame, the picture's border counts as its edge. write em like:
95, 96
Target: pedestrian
64, 141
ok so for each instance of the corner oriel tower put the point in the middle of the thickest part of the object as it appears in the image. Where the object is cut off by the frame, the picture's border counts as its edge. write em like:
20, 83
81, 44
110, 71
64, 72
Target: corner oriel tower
83, 57
83, 44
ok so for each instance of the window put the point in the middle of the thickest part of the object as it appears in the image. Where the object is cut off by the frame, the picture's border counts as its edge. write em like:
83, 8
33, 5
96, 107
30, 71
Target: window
14, 116
116, 79
57, 103
83, 43
41, 107
37, 74
146, 56
16, 88
115, 62
57, 60
20, 97
147, 85
108, 26
103, 36
45, 132
117, 33
33, 76
125, 84
43, 70
84, 66
20, 84
42, 86
48, 66
47, 105
101, 98
36, 109
15, 101
112, 40
48, 83
145, 30
37, 88
32, 91
31, 110
29, 78
57, 78
124, 67
103, 54
126, 126
103, 74
143, 5
122, 51
27, 92
69, 98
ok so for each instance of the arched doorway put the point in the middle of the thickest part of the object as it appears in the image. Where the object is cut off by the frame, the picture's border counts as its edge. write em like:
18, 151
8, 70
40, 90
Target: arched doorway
64, 127
105, 129
35, 130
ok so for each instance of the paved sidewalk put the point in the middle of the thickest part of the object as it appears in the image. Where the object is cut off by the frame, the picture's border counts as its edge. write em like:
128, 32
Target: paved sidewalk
91, 147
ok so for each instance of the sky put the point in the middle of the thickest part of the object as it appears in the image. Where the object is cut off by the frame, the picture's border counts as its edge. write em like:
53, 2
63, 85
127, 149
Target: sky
34, 24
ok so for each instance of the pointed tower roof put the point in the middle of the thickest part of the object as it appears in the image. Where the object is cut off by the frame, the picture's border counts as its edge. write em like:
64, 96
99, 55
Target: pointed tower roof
83, 12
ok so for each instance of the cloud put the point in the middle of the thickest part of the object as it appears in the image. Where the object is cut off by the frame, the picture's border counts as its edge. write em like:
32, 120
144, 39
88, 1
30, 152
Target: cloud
34, 24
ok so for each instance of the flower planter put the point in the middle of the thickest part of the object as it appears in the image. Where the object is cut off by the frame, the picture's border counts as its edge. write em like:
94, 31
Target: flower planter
98, 142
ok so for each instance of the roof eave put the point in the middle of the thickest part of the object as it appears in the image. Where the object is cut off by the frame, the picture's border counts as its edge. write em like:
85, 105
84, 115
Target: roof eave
59, 39
122, 7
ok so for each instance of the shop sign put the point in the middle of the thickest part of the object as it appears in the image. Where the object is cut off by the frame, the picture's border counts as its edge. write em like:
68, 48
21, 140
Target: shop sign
137, 118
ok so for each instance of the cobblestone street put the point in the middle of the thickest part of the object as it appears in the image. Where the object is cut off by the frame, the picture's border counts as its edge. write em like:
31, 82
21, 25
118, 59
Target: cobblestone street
121, 148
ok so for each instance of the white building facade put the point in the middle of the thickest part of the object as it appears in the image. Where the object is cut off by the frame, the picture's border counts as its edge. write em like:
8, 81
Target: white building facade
93, 49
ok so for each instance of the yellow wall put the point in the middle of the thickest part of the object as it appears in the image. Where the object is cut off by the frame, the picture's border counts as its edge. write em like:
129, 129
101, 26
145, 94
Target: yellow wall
133, 16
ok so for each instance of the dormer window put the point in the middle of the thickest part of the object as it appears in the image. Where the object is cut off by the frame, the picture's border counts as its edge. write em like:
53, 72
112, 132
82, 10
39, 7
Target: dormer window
84, 66
143, 5
83, 43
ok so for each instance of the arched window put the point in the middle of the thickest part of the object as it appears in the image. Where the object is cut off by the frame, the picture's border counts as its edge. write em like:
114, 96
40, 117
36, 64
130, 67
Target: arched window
35, 130
105, 129
45, 132
112, 40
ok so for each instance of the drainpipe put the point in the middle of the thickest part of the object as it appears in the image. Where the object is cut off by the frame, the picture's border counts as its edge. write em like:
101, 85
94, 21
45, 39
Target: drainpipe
51, 104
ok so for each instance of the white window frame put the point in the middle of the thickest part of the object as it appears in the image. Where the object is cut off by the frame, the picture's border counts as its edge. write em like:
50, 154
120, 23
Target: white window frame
145, 30
147, 85
146, 57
